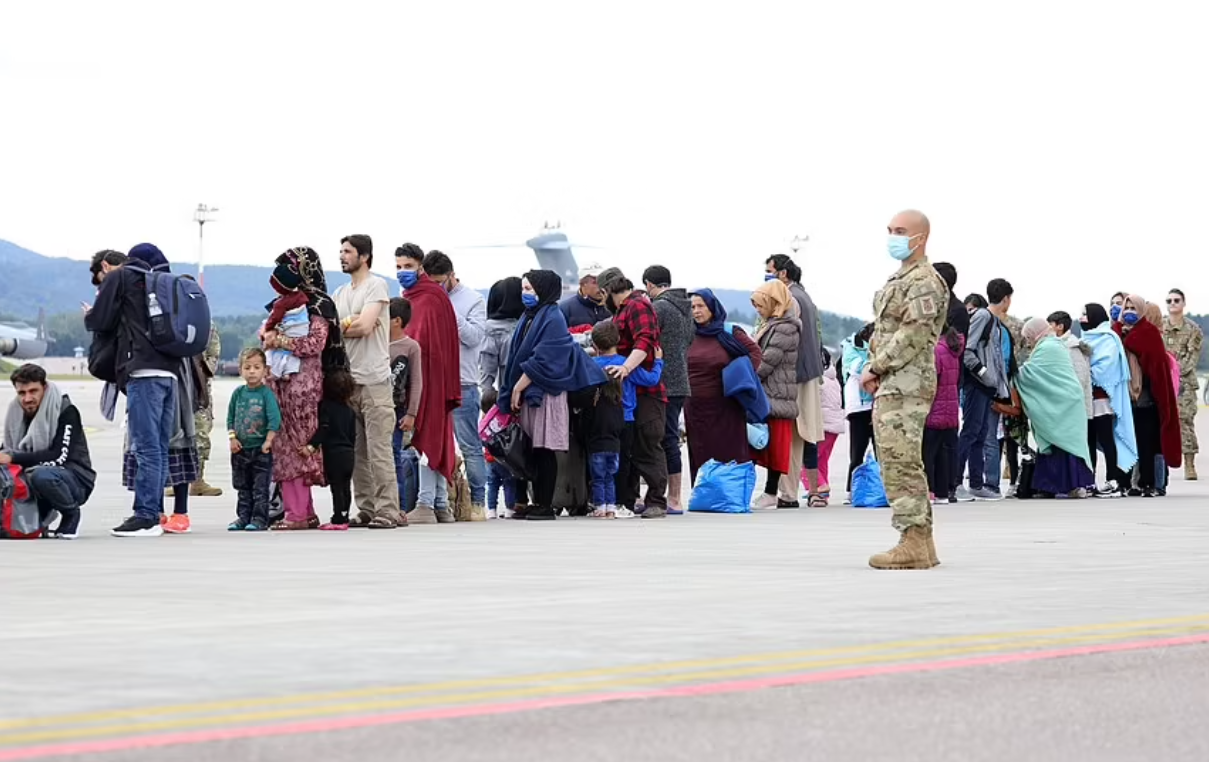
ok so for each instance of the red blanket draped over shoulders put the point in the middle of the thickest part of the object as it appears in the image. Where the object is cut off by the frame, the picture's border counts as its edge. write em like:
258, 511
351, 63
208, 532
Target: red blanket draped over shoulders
1145, 341
434, 326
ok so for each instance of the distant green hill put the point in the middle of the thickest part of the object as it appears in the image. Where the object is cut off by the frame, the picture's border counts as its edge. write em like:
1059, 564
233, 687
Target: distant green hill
238, 293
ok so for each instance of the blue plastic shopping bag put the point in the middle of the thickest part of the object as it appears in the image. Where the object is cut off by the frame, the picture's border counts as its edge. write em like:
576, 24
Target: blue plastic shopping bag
867, 488
723, 488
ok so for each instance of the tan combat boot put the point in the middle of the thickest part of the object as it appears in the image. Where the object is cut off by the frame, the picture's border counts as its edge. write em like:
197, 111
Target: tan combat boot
932, 559
1190, 468
910, 553
200, 488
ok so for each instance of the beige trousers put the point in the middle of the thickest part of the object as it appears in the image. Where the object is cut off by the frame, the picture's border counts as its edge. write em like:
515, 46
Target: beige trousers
375, 487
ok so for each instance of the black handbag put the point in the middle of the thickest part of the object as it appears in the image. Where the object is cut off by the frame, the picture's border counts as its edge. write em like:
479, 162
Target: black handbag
512, 447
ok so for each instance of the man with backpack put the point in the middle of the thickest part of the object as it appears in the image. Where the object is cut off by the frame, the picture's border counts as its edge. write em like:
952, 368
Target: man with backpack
987, 361
158, 320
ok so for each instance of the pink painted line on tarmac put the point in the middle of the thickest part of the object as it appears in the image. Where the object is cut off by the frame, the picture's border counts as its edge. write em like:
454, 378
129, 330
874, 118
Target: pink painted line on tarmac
328, 725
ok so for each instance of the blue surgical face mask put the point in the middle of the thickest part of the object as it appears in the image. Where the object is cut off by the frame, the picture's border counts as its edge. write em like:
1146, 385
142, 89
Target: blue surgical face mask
899, 246
1115, 313
530, 300
769, 276
1129, 318
407, 278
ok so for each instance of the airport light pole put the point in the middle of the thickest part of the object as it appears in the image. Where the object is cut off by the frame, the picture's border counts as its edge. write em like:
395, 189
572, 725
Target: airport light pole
201, 216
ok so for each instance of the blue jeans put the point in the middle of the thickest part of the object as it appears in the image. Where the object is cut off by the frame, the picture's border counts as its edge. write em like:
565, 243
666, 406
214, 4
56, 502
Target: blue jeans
976, 433
993, 468
57, 489
407, 473
151, 410
603, 467
251, 476
434, 489
671, 435
499, 477
466, 431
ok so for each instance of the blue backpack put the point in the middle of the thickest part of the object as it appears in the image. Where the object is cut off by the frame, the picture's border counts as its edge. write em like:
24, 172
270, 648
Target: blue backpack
178, 314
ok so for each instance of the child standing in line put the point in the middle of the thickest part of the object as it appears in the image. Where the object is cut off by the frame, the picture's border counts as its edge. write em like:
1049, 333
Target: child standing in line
612, 437
833, 425
337, 438
407, 385
253, 420
498, 475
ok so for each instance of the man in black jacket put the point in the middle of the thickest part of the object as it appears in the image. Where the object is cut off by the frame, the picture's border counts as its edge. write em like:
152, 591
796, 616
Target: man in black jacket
43, 435
145, 375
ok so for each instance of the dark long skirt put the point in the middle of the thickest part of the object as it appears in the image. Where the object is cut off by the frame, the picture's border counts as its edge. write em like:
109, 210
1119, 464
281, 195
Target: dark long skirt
1061, 473
717, 429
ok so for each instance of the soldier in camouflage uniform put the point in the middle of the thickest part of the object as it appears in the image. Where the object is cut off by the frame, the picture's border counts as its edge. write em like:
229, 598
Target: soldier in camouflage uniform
1184, 338
909, 313
203, 420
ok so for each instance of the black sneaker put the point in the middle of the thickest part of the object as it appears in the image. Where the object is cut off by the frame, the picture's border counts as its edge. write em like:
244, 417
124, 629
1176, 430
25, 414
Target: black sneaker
541, 514
789, 504
138, 527
654, 512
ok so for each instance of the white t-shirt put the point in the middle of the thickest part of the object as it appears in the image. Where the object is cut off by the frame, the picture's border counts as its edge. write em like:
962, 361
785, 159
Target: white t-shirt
368, 357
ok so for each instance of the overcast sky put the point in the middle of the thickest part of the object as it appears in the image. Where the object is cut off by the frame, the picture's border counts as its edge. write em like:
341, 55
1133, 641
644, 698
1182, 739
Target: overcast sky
1063, 145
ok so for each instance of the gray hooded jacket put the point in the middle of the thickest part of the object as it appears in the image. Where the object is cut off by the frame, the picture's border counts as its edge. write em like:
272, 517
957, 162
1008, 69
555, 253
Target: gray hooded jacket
983, 355
676, 333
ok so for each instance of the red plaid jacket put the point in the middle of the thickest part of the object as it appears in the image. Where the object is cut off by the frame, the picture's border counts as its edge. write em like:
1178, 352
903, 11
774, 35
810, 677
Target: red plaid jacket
639, 328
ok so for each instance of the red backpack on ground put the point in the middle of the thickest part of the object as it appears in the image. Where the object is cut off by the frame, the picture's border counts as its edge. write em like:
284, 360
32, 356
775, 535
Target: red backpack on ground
19, 518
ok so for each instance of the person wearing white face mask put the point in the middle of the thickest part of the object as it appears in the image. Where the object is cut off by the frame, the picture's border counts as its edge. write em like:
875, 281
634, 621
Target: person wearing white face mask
909, 313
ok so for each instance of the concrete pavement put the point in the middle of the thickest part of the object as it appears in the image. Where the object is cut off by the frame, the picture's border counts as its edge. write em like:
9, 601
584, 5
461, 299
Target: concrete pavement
467, 641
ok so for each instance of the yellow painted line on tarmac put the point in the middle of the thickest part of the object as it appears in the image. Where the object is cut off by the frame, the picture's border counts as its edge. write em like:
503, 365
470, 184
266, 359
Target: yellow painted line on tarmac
585, 681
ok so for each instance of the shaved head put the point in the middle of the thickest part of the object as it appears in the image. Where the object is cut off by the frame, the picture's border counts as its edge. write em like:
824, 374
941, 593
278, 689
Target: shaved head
914, 221
915, 226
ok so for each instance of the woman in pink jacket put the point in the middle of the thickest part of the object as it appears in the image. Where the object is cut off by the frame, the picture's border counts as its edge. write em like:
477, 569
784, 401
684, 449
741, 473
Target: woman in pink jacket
940, 431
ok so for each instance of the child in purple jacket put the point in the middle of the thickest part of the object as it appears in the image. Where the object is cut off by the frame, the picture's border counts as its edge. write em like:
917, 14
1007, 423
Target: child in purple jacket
940, 432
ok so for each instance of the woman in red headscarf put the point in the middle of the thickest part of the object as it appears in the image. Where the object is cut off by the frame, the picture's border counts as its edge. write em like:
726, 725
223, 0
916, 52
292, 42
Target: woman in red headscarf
1155, 411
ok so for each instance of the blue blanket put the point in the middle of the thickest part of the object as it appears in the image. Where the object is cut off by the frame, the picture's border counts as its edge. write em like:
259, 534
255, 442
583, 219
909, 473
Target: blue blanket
854, 359
546, 353
1110, 372
740, 383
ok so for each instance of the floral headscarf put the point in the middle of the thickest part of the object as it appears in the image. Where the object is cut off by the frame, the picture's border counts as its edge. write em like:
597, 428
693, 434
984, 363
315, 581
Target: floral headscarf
301, 265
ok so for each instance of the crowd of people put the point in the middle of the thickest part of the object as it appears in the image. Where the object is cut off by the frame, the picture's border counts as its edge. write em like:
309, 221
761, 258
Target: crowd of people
388, 400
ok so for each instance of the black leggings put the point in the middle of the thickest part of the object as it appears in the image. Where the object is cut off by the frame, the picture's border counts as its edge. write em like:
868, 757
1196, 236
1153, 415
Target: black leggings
939, 447
860, 436
545, 479
1011, 450
1146, 427
1099, 437
770, 484
338, 470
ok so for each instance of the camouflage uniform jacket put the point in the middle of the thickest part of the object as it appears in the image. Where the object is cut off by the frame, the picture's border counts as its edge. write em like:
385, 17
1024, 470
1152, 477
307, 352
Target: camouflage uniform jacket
1020, 348
908, 315
1184, 341
211, 354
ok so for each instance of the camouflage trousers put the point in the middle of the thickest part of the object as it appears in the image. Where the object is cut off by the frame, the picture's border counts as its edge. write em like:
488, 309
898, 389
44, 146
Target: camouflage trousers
1189, 404
898, 430
203, 422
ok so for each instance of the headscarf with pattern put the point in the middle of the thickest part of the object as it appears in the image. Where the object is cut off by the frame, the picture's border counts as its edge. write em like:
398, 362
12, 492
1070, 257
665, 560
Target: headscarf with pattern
301, 265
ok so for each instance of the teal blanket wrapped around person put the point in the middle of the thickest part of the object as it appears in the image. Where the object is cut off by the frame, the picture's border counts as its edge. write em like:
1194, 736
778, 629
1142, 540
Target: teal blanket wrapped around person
1053, 400
1110, 372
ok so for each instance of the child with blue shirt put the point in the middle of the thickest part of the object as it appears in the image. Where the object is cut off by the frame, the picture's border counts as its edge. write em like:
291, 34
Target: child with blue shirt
612, 437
